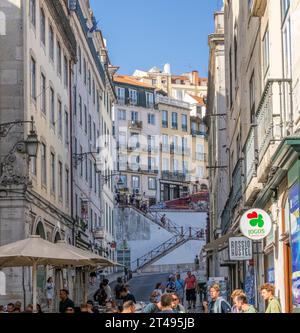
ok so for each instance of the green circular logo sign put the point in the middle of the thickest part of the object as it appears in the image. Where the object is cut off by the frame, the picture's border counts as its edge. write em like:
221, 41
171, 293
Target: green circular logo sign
256, 224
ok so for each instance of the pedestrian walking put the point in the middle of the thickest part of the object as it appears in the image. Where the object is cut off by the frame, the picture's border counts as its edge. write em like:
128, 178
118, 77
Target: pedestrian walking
171, 285
197, 263
166, 304
217, 304
179, 283
242, 304
163, 220
177, 306
190, 289
234, 295
129, 307
65, 301
50, 292
100, 295
267, 292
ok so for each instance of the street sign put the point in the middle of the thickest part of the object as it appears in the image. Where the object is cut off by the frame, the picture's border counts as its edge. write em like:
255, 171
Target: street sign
256, 224
240, 248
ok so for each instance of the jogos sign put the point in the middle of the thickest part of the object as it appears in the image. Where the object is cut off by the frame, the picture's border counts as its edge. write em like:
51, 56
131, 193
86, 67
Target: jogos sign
256, 224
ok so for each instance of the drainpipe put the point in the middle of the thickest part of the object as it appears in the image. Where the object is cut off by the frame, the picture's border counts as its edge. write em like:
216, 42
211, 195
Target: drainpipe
71, 152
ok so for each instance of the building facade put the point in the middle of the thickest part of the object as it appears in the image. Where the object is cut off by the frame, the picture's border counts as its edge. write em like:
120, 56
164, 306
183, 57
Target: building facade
36, 60
262, 103
137, 131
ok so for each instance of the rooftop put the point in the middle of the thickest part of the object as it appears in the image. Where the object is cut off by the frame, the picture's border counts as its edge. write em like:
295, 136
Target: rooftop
131, 80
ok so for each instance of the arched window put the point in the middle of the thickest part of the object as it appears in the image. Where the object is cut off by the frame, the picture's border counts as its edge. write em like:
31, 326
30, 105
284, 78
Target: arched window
40, 230
2, 24
2, 284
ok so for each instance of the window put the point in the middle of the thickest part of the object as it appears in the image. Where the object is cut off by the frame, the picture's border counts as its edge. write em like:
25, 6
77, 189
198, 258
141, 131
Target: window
89, 82
67, 186
174, 120
91, 173
86, 169
80, 110
165, 141
95, 179
230, 79
200, 172
151, 183
120, 95
60, 179
135, 182
151, 143
66, 72
175, 166
66, 128
58, 58
287, 46
185, 145
32, 12
165, 164
52, 172
235, 58
285, 5
51, 43
79, 60
43, 164
134, 116
164, 119
122, 114
151, 119
266, 51
149, 100
84, 71
184, 123
94, 134
59, 118
90, 128
81, 162
185, 167
33, 78
52, 107
132, 97
252, 97
43, 93
98, 101
85, 119
43, 27
151, 163
94, 92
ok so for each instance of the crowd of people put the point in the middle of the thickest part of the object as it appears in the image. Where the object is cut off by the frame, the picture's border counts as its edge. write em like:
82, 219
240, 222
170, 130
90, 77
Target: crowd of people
177, 295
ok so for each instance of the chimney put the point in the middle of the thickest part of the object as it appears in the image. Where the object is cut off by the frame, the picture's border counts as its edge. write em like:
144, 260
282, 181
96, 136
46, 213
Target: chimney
195, 77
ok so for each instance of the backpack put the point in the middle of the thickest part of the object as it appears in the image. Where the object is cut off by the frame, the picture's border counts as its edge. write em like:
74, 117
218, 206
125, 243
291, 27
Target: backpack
218, 305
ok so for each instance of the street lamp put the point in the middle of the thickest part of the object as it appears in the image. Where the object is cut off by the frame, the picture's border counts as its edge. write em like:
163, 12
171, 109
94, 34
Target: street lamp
32, 141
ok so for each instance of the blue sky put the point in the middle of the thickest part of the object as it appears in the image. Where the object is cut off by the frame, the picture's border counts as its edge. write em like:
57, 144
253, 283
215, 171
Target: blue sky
146, 33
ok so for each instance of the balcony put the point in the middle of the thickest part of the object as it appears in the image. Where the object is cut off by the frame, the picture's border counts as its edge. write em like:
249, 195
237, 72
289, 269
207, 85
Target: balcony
198, 133
236, 184
171, 101
135, 125
173, 176
274, 119
200, 157
250, 154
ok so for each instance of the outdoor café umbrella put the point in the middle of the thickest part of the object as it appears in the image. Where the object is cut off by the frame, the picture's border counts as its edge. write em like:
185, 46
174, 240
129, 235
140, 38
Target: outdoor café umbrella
96, 262
35, 251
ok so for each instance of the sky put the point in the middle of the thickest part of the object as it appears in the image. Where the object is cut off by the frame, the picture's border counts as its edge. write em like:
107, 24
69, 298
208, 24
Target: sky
142, 34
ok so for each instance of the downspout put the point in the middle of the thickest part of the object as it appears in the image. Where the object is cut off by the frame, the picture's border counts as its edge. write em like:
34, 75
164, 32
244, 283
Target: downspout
71, 152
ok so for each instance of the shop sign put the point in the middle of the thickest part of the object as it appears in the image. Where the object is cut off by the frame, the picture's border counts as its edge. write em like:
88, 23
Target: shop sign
295, 237
240, 248
256, 224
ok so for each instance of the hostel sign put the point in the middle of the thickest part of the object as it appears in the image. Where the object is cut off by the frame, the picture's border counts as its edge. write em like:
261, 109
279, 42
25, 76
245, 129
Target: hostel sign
240, 248
256, 224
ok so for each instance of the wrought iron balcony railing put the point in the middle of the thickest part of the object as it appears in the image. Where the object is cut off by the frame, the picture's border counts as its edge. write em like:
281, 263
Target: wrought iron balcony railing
274, 116
250, 156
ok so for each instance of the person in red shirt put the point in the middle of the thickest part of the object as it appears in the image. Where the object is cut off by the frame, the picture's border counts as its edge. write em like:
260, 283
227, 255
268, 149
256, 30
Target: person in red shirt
190, 289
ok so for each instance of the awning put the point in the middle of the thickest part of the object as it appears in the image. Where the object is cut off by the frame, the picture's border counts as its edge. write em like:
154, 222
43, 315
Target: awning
218, 244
